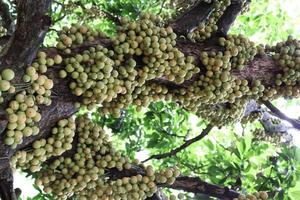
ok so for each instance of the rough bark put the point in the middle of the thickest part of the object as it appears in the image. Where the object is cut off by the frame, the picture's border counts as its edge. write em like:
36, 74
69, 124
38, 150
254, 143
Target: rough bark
7, 191
275, 111
20, 50
189, 20
196, 185
32, 25
185, 183
229, 16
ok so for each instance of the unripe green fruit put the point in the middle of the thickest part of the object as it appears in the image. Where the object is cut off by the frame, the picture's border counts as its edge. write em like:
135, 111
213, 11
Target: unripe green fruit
30, 71
57, 59
49, 62
12, 118
27, 131
8, 141
41, 54
4, 85
8, 74
26, 78
48, 84
67, 41
31, 112
62, 74
168, 173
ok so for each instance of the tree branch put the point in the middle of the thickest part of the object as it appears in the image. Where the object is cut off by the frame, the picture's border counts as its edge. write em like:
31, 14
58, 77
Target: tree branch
190, 19
229, 16
32, 25
7, 191
183, 146
295, 123
185, 183
197, 186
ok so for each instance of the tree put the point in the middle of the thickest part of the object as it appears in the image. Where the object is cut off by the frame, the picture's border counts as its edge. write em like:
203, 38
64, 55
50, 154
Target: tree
190, 60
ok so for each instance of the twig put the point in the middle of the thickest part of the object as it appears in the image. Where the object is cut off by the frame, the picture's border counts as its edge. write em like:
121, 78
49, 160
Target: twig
183, 146
295, 123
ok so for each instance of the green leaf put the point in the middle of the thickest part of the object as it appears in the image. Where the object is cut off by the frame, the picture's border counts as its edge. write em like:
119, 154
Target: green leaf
209, 144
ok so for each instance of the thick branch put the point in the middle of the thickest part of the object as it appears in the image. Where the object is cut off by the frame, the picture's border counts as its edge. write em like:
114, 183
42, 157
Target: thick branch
196, 185
32, 25
189, 20
229, 16
7, 191
187, 184
183, 146
62, 107
261, 68
295, 123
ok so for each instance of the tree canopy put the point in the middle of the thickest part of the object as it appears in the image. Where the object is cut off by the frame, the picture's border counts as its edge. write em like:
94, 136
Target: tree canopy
89, 86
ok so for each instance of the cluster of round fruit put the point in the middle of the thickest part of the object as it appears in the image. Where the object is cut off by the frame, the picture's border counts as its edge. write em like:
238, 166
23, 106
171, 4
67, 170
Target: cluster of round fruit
256, 196
241, 49
218, 86
70, 38
6, 76
23, 110
43, 149
157, 47
253, 116
112, 77
43, 61
22, 116
206, 29
218, 83
222, 114
272, 137
86, 174
287, 56
93, 76
141, 97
